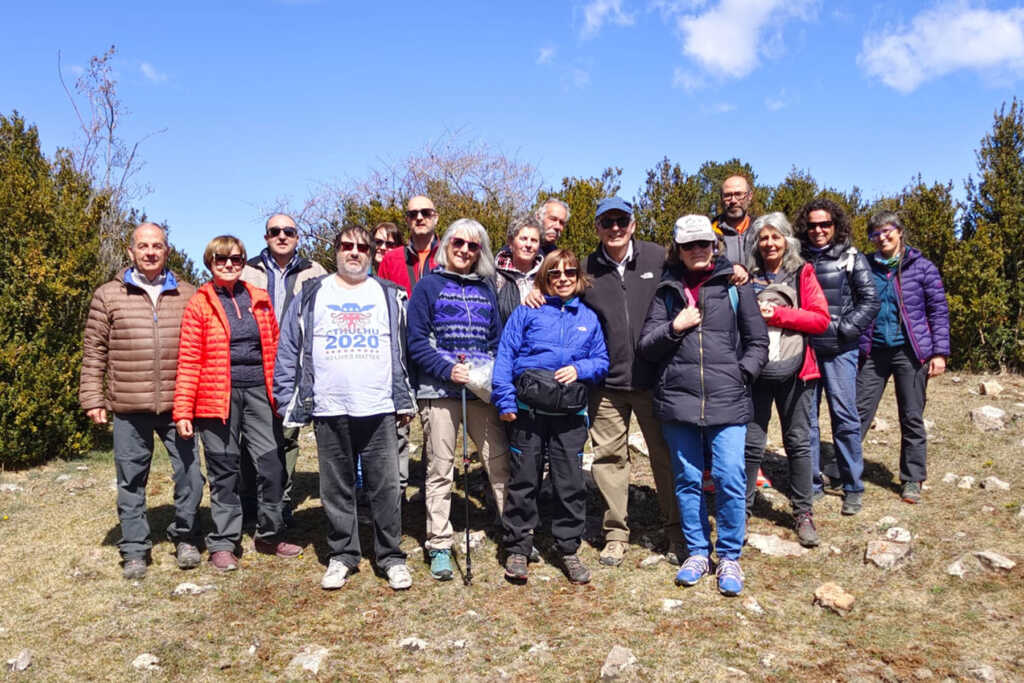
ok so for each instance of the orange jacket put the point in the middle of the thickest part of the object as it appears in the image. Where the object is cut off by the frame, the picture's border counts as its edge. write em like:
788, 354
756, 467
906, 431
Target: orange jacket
203, 387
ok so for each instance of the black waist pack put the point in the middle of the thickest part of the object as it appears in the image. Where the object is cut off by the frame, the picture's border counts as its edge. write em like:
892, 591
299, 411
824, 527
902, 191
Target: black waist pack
541, 391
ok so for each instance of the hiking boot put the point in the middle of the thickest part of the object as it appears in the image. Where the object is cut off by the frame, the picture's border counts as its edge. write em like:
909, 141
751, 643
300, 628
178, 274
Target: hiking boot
852, 502
515, 567
441, 564
399, 577
911, 492
730, 578
805, 531
336, 575
693, 570
224, 561
613, 553
279, 548
575, 570
134, 568
188, 556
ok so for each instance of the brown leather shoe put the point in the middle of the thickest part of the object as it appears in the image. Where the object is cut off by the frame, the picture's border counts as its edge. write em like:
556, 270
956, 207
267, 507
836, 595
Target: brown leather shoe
613, 553
224, 561
279, 548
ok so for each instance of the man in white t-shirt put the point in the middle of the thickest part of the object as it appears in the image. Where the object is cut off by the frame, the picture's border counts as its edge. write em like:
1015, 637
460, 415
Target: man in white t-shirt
341, 363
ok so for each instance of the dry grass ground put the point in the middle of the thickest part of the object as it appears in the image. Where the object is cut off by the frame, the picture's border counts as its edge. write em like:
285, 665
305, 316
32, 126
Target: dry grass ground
64, 599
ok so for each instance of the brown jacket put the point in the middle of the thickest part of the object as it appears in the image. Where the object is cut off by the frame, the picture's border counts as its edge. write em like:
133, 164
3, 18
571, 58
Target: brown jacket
132, 344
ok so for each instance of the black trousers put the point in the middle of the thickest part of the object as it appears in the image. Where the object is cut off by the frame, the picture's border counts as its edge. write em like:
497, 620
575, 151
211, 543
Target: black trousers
559, 439
911, 379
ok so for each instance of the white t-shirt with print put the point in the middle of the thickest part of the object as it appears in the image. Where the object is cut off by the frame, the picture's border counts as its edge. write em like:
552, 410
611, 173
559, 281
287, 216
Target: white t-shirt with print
351, 350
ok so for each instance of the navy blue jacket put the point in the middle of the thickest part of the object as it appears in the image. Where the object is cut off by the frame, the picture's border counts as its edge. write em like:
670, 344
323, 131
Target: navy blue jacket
548, 338
704, 374
846, 280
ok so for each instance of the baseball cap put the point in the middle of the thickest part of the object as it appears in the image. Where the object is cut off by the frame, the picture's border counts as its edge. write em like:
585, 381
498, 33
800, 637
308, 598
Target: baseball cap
613, 204
693, 228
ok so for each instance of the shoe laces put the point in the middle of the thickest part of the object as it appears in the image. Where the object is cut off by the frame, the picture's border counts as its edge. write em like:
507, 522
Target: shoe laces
730, 569
696, 563
805, 518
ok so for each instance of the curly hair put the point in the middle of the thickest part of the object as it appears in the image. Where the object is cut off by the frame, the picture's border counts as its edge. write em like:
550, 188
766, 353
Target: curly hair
836, 212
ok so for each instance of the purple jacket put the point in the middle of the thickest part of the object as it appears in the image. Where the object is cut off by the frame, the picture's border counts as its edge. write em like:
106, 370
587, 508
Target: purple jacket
923, 308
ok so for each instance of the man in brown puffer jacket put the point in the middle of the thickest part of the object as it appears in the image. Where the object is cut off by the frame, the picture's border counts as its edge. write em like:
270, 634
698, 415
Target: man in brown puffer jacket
131, 346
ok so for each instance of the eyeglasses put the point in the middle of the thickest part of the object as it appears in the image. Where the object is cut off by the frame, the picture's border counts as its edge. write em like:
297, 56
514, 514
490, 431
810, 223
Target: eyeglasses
349, 246
288, 232
699, 244
735, 195
607, 222
569, 273
390, 244
459, 243
880, 234
416, 213
237, 260
821, 225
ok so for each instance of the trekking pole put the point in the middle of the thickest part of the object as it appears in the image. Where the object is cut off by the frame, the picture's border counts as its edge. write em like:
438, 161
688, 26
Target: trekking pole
468, 579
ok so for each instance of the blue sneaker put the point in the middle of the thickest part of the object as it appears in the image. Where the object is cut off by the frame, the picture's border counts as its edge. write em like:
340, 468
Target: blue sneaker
441, 564
730, 577
692, 571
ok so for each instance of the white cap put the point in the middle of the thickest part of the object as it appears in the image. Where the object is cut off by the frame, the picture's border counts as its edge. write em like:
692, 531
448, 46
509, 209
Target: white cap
693, 228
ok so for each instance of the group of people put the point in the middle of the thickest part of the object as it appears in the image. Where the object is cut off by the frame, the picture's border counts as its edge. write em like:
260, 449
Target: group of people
530, 352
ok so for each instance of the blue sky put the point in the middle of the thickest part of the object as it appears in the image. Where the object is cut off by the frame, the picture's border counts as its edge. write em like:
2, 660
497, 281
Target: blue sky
263, 101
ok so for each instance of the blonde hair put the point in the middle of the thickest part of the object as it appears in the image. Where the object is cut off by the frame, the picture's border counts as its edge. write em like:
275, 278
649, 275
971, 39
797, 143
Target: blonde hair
222, 244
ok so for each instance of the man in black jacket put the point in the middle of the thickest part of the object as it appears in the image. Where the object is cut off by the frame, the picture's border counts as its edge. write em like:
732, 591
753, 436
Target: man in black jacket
625, 273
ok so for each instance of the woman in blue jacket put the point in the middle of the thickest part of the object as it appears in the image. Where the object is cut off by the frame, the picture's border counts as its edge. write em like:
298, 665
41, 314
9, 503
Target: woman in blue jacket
564, 338
710, 341
909, 340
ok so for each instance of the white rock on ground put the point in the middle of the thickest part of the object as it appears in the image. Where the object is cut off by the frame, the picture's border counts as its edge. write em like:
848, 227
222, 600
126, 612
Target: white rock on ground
950, 478
189, 588
988, 418
21, 662
990, 388
995, 484
459, 644
636, 440
412, 644
898, 534
966, 482
751, 605
538, 647
832, 596
775, 546
887, 521
669, 604
994, 561
10, 488
61, 478
309, 658
146, 662
880, 424
886, 554
476, 539
619, 661
652, 561
982, 672
958, 568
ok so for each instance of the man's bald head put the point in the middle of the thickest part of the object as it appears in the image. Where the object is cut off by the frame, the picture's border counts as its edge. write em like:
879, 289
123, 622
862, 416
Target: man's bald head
147, 229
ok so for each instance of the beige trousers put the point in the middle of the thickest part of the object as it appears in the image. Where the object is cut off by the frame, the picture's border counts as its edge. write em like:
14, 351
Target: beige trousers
610, 414
442, 423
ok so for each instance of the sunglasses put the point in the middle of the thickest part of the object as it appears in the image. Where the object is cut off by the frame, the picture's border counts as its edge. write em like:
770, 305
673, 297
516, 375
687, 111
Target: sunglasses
569, 273
237, 260
733, 195
390, 244
416, 213
459, 243
879, 234
622, 221
288, 232
823, 225
699, 244
349, 246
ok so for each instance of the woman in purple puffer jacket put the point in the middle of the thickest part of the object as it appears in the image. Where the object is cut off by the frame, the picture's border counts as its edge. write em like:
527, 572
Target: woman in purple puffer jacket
909, 340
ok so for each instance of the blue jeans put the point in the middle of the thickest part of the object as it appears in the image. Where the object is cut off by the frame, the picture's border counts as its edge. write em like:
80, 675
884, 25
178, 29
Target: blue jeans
686, 446
839, 380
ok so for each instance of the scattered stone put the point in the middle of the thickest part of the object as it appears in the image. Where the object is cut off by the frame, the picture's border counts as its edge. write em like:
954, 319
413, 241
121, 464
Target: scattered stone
832, 596
113, 484
923, 674
188, 588
983, 672
538, 647
543, 577
61, 478
966, 482
471, 614
886, 554
950, 478
835, 550
751, 605
988, 418
10, 488
774, 546
995, 483
636, 440
956, 380
994, 561
21, 662
252, 649
1020, 514
146, 662
888, 521
736, 674
309, 659
880, 424
958, 568
669, 604
988, 509
768, 660
476, 538
619, 661
990, 388
651, 561
82, 468
929, 426
459, 644
898, 534
412, 644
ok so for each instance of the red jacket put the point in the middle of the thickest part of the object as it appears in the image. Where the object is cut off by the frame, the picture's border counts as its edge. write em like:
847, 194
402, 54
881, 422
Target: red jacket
811, 318
401, 261
203, 387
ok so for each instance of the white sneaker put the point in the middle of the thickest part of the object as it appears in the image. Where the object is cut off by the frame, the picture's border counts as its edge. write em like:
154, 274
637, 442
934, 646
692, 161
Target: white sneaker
335, 576
399, 577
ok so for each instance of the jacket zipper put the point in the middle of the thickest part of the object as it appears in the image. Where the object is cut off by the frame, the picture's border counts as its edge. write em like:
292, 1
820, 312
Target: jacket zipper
897, 284
156, 347
700, 353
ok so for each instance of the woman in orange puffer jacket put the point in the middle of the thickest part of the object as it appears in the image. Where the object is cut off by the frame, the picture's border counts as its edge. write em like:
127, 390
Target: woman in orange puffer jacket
223, 390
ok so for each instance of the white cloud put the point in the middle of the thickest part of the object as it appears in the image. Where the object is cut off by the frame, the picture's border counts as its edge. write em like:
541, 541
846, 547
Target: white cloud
775, 103
729, 38
150, 72
580, 77
687, 80
545, 54
944, 39
723, 108
597, 13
